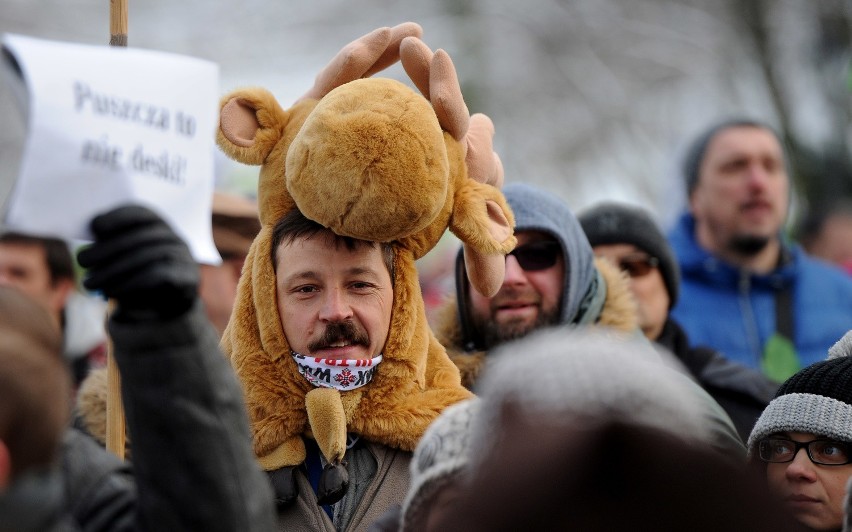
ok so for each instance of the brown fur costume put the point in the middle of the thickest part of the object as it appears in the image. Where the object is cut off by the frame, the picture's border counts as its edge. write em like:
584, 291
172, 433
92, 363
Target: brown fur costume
619, 312
371, 159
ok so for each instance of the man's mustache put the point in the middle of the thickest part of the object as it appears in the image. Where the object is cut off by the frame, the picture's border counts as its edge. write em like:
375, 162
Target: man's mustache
340, 331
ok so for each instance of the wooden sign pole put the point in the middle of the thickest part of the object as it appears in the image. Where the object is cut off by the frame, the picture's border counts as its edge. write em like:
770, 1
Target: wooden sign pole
115, 427
118, 22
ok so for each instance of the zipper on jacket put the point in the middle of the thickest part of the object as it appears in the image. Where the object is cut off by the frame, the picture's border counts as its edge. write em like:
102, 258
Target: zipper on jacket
749, 322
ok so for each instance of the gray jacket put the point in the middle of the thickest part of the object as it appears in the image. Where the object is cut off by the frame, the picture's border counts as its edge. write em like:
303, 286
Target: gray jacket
382, 488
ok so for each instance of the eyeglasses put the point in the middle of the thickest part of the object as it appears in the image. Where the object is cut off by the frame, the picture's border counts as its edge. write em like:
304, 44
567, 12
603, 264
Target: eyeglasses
537, 256
638, 266
823, 452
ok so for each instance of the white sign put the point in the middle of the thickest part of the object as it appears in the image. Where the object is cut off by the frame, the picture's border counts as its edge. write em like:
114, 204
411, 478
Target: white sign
109, 126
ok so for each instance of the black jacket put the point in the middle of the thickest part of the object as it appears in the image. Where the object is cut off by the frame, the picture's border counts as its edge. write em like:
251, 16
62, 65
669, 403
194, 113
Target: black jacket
741, 391
193, 467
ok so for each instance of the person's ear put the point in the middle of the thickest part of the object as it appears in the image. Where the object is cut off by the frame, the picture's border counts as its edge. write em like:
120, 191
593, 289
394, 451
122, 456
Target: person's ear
61, 291
5, 466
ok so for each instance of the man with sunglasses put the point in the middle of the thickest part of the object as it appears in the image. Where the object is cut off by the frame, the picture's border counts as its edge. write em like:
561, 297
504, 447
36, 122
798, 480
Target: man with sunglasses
804, 440
552, 278
627, 236
746, 291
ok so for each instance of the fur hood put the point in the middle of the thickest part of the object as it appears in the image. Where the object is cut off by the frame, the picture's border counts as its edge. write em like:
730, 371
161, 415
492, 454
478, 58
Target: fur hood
371, 159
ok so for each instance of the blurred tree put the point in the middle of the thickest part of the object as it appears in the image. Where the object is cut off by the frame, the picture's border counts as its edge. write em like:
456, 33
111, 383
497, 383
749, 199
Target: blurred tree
822, 171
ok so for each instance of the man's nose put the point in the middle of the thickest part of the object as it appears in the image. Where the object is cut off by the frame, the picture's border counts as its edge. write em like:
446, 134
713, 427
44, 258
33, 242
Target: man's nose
514, 273
758, 175
335, 306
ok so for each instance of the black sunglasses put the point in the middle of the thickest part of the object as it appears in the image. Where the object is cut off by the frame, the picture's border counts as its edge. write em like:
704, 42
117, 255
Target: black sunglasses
638, 266
824, 452
537, 256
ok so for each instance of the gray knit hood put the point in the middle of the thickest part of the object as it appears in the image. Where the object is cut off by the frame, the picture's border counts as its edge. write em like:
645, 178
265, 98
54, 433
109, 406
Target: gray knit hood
584, 289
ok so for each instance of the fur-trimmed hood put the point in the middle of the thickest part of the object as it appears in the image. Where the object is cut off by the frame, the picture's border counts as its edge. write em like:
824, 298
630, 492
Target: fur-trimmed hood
369, 159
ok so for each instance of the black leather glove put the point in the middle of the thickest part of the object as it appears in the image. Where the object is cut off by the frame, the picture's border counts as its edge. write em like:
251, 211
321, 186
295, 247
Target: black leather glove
139, 261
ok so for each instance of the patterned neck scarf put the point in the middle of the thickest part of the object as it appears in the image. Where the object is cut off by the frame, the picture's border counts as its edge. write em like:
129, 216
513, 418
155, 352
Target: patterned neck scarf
333, 373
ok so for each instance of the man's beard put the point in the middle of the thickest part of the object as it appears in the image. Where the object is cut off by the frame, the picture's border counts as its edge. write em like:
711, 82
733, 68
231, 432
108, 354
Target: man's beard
748, 245
494, 334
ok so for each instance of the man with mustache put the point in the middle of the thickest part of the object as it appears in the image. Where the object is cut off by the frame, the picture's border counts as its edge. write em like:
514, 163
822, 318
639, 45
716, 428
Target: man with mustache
746, 291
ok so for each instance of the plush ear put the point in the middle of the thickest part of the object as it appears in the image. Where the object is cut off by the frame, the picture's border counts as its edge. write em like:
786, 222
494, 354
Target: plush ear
435, 76
483, 164
251, 123
362, 58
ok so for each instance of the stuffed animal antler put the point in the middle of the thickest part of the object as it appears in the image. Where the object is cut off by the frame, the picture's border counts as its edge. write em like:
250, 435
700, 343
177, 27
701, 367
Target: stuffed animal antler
368, 158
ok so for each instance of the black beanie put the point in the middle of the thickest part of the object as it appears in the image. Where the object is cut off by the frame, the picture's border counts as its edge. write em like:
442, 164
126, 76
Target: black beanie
619, 223
817, 399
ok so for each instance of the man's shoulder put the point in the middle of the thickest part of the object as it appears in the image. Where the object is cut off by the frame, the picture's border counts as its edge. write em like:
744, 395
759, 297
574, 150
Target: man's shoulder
816, 272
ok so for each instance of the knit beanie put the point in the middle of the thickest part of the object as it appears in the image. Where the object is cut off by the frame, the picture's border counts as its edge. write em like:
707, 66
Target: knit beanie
438, 460
557, 375
619, 223
817, 400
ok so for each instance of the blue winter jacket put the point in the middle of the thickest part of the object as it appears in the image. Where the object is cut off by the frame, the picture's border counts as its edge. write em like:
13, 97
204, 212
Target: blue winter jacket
733, 310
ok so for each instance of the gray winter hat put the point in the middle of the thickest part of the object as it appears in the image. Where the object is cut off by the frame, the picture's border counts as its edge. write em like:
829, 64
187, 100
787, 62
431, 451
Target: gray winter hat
438, 460
620, 223
817, 400
560, 375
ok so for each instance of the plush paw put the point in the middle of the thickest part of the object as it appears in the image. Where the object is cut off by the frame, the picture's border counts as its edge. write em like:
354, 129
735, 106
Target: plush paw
333, 483
284, 485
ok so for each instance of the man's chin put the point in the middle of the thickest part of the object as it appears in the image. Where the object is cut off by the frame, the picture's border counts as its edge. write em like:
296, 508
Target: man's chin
748, 245
497, 333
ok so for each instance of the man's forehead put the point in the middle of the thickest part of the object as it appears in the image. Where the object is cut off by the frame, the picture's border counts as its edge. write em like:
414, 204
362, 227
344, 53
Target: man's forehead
352, 254
729, 140
23, 251
526, 236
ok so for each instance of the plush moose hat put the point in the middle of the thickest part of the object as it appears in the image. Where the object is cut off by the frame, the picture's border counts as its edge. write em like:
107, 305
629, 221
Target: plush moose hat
368, 158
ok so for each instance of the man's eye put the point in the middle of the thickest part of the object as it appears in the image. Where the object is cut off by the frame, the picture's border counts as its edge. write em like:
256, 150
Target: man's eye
305, 289
735, 165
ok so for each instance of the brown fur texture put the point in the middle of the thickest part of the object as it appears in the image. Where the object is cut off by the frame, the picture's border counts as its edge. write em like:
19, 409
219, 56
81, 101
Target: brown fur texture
370, 159
91, 404
619, 312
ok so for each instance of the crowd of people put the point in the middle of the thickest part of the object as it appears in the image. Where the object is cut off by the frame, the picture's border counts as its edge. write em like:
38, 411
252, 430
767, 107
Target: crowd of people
617, 377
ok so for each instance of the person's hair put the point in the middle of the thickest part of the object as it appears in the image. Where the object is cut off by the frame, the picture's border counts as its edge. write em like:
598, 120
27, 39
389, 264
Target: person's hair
698, 148
817, 215
35, 402
60, 263
295, 225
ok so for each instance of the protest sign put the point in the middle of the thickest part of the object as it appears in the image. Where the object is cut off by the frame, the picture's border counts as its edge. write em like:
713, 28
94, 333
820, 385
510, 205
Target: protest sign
109, 126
